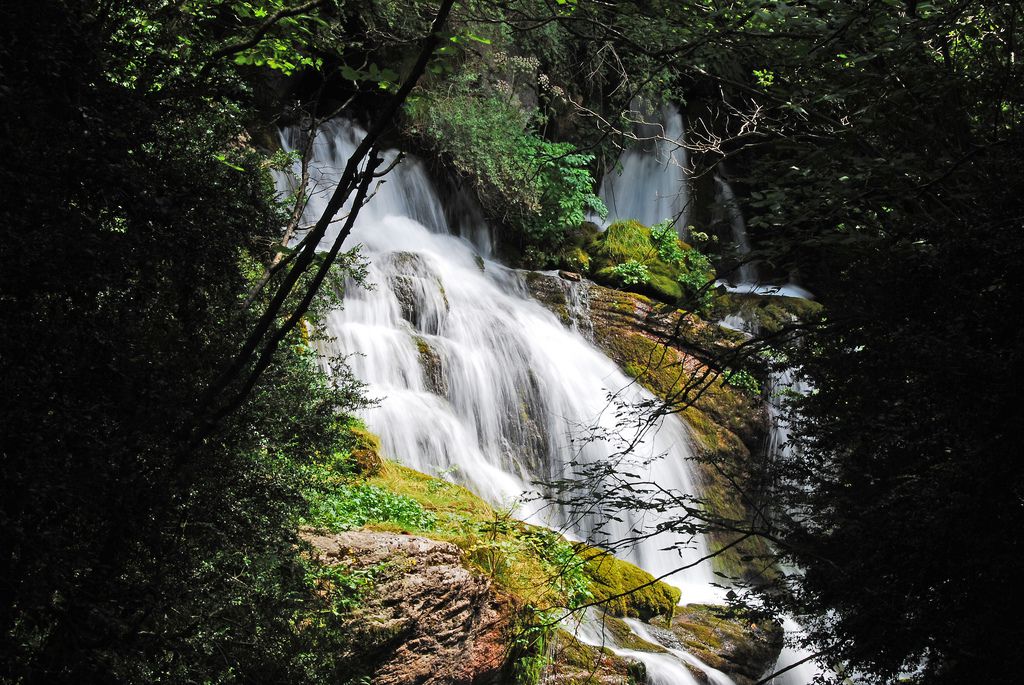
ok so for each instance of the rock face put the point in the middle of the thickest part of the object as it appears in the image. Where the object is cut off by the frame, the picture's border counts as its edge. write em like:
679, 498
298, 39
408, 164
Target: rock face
427, 619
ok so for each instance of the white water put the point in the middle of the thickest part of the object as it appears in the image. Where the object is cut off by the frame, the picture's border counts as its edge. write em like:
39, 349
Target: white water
726, 199
652, 185
505, 394
662, 668
714, 676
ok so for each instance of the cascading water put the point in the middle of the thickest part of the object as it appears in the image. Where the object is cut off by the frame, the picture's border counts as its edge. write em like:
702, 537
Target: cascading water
652, 184
726, 198
749, 280
795, 662
478, 382
661, 668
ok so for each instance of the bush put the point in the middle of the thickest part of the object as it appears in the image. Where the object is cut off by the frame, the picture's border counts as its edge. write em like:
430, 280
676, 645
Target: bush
345, 507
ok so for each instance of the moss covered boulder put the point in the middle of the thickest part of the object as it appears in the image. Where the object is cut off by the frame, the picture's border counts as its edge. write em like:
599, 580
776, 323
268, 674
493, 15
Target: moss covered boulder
768, 313
365, 454
624, 589
637, 258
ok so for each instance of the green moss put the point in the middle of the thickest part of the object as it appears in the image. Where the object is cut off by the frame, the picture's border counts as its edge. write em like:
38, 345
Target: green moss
577, 663
738, 643
670, 273
770, 312
625, 589
574, 258
533, 564
624, 636
664, 288
624, 241
436, 495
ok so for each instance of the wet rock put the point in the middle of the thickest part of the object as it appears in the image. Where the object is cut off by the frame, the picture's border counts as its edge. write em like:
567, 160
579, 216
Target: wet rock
570, 276
625, 589
741, 647
665, 349
428, 620
433, 369
418, 289
576, 663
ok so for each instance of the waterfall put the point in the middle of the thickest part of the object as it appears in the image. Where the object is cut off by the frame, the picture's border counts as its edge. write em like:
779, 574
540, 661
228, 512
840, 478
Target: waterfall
477, 382
652, 185
726, 198
781, 450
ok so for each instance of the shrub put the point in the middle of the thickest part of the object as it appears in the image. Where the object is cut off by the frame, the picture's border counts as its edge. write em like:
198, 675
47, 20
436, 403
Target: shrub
540, 189
631, 273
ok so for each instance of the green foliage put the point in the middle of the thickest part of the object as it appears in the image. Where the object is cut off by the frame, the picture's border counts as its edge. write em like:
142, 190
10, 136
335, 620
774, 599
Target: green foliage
528, 648
653, 261
134, 552
343, 586
630, 273
666, 242
541, 189
344, 507
743, 380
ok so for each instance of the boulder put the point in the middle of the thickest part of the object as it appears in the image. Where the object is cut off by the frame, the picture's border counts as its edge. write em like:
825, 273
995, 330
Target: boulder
428, 619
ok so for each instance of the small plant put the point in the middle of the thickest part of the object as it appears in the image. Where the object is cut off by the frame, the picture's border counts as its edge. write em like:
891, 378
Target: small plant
743, 380
666, 242
631, 273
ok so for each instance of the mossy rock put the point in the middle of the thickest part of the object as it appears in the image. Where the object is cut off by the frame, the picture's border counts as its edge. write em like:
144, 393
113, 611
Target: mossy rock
769, 312
433, 368
743, 646
573, 258
624, 241
365, 455
624, 589
664, 288
574, 663
630, 241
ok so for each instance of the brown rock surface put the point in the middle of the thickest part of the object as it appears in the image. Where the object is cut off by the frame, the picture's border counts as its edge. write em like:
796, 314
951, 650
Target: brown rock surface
427, 620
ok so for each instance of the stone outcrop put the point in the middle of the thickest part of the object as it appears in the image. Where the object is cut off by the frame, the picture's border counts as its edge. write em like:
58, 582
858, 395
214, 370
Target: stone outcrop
428, 619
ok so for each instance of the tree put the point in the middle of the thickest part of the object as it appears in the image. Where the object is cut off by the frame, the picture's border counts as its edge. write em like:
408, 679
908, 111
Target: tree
157, 410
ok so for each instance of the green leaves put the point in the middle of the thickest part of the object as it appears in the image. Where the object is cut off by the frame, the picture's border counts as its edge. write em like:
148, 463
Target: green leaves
631, 272
543, 189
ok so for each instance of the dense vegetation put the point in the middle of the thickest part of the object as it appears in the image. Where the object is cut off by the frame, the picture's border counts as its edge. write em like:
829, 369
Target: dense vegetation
167, 427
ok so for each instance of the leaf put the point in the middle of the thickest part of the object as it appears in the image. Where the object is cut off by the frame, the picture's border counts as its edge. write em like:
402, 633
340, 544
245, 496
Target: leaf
223, 160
